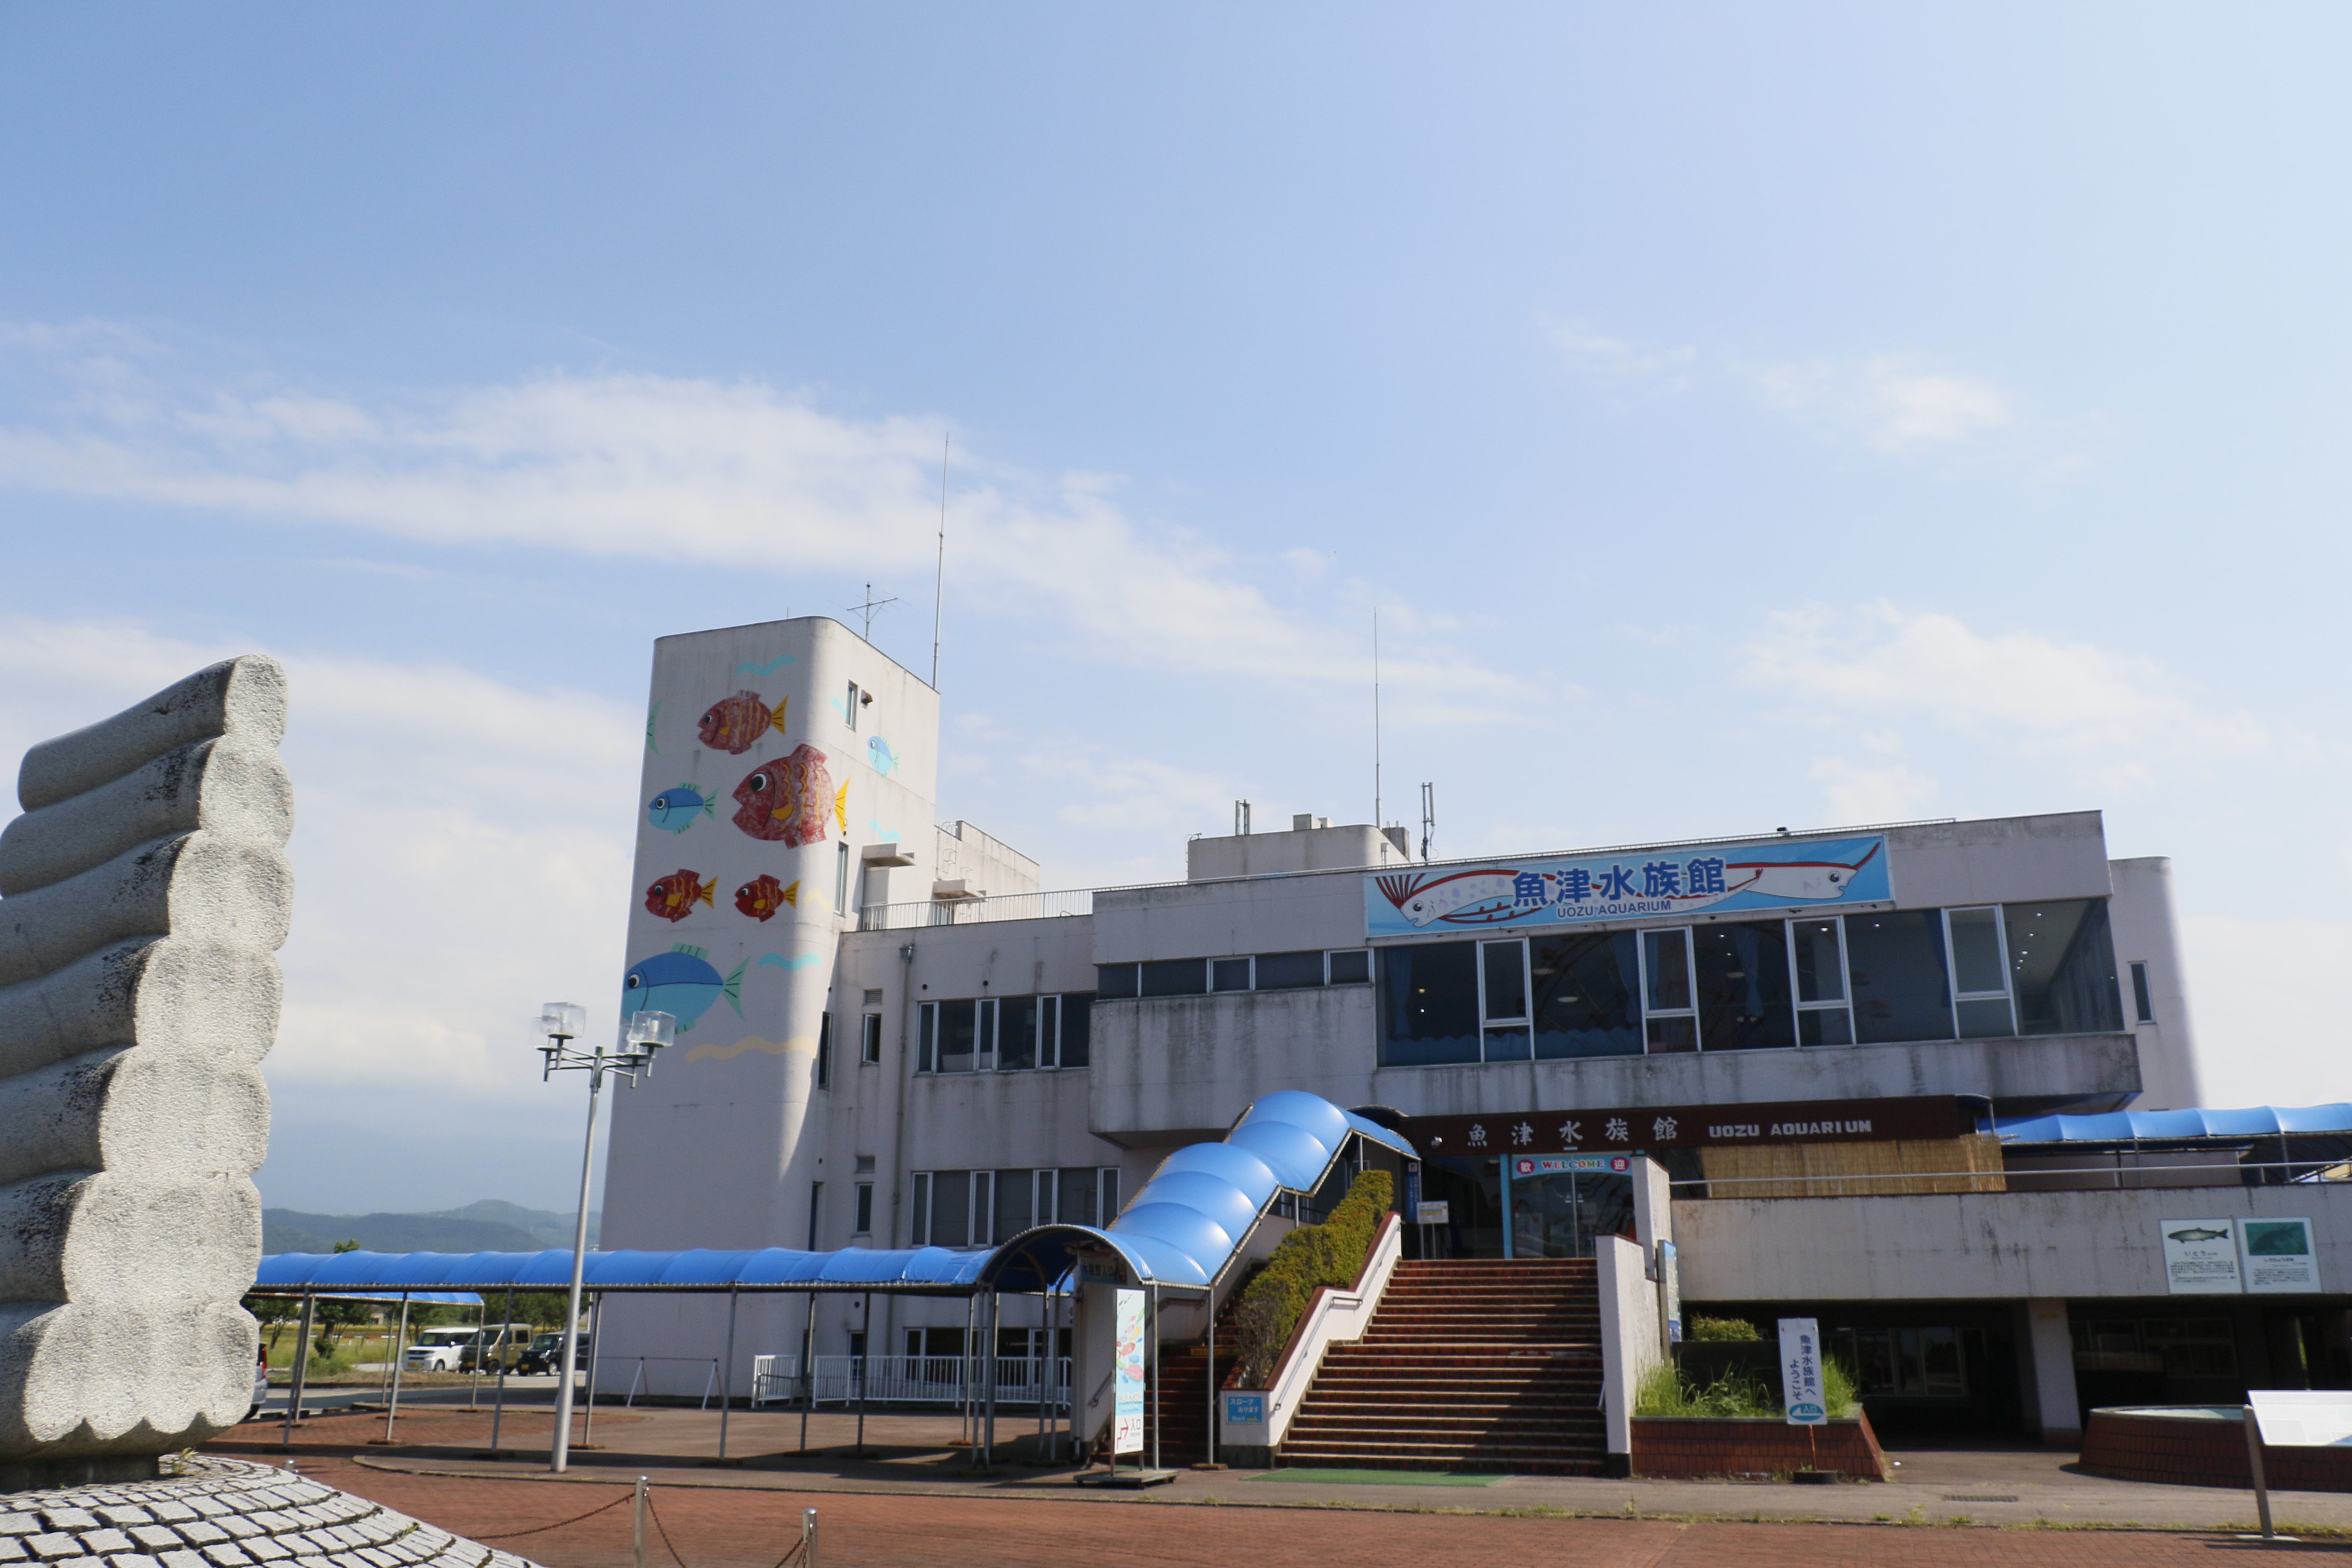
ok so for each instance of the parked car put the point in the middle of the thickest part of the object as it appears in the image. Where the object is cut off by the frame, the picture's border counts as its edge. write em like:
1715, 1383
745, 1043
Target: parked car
437, 1349
490, 1348
545, 1354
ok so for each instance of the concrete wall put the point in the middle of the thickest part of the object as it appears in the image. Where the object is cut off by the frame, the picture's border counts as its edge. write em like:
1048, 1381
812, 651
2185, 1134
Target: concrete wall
1629, 1342
984, 865
1312, 849
1973, 1246
1999, 860
2147, 930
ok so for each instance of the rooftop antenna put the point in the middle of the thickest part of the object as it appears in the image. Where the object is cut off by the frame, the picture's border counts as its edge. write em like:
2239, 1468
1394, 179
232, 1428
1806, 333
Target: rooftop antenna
1377, 824
1428, 818
867, 609
939, 584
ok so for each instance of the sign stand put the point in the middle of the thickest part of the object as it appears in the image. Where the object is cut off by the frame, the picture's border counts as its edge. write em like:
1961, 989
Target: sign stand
2262, 1486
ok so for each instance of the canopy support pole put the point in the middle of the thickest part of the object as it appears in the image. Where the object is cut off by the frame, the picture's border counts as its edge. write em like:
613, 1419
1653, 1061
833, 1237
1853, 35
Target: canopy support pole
498, 1401
1152, 1341
301, 1358
864, 1359
988, 1351
595, 1324
727, 1374
1212, 1300
808, 1368
399, 1355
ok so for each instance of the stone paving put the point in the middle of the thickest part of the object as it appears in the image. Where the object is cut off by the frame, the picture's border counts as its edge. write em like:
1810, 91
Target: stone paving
219, 1513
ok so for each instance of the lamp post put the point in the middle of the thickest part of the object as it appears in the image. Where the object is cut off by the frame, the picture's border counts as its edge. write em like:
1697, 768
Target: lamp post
561, 1023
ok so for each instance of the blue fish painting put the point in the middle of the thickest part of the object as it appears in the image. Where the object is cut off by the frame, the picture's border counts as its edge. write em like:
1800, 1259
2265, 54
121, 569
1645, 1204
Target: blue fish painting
885, 759
681, 982
679, 807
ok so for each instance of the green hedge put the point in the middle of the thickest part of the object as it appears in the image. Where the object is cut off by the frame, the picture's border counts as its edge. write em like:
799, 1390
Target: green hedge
1332, 1253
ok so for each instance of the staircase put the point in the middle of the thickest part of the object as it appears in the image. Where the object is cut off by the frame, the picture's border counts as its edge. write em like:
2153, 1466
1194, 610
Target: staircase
1476, 1364
1182, 1418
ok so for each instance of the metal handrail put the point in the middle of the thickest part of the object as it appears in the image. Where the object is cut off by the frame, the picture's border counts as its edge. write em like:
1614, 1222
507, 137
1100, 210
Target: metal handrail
929, 1380
2313, 1171
976, 912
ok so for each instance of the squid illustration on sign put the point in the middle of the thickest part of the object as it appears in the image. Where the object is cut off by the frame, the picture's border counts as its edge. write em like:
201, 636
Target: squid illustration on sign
1493, 896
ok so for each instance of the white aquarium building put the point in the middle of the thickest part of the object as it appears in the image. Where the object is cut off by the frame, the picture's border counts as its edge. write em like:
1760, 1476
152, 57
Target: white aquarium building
894, 1035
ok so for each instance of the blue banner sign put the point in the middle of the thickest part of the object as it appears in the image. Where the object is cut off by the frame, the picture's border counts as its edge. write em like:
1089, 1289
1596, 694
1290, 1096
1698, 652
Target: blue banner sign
1777, 874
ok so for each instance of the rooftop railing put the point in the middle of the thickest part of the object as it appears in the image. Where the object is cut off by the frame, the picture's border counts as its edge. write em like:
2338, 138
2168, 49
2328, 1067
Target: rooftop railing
975, 912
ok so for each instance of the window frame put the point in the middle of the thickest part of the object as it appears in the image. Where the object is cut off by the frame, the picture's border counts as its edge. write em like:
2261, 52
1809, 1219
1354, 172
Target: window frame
1490, 1025
918, 1208
2006, 995
1106, 1195
2143, 994
869, 1037
862, 1220
841, 881
853, 705
1845, 980
824, 1050
1690, 988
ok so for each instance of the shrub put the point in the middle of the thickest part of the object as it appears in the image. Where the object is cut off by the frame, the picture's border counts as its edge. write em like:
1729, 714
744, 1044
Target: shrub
1664, 1391
1332, 1253
1722, 1328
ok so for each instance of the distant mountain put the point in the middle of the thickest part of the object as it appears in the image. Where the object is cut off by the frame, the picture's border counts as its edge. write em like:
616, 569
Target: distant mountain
489, 1226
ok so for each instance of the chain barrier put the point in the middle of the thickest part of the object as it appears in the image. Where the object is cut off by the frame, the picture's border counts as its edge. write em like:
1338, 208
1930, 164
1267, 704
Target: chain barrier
559, 1524
655, 1513
662, 1529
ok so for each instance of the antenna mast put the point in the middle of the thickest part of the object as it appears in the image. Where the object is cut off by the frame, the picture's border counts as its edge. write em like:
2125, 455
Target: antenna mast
939, 584
1376, 716
1428, 818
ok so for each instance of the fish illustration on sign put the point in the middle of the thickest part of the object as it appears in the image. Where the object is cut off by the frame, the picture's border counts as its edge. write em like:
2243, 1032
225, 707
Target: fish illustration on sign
673, 897
1792, 878
885, 759
681, 982
783, 801
679, 807
841, 806
652, 714
734, 724
1467, 897
762, 896
2197, 1233
1493, 895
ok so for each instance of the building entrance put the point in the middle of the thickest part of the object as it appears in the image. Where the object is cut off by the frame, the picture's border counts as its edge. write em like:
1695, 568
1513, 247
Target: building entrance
1559, 1215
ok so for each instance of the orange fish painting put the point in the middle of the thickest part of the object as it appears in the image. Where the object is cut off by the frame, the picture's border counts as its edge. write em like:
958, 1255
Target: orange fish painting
786, 800
734, 724
762, 896
673, 897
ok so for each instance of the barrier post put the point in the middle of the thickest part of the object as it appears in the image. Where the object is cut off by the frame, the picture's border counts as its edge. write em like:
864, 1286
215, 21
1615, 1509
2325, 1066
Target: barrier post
294, 1383
808, 1538
2255, 1463
641, 1522
399, 1355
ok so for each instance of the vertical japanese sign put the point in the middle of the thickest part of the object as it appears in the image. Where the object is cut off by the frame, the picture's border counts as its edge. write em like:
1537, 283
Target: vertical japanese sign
2200, 1257
2277, 1256
1126, 1376
1800, 1372
1670, 1291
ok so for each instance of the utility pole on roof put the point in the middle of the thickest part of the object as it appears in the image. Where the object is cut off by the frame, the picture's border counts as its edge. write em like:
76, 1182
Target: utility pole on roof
1428, 818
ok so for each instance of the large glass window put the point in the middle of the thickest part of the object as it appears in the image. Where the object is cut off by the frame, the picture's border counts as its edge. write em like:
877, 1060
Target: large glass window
958, 1033
1502, 992
1016, 1033
1743, 986
1817, 961
1673, 1022
2061, 962
1175, 977
1077, 1029
1289, 971
1900, 989
1587, 991
1981, 987
1429, 1004
1114, 982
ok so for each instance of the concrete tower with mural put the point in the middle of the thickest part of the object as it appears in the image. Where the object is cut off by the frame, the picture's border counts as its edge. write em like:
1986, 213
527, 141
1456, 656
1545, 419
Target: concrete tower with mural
789, 771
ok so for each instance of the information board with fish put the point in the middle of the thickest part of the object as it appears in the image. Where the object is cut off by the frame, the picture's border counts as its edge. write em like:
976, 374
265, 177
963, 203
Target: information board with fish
786, 801
1629, 885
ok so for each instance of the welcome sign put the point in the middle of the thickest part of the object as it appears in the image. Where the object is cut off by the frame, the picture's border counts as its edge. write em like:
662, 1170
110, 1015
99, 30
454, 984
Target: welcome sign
1777, 874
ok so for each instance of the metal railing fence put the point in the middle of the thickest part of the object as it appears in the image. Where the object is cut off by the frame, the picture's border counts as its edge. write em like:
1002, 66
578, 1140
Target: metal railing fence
932, 1380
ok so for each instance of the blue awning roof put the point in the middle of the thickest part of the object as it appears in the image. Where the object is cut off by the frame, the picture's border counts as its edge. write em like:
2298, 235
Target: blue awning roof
2127, 1126
1180, 1231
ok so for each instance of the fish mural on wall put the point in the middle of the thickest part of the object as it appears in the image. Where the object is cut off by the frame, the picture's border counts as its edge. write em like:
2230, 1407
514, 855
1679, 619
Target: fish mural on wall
652, 715
762, 896
682, 982
673, 897
735, 724
841, 807
783, 801
885, 759
679, 807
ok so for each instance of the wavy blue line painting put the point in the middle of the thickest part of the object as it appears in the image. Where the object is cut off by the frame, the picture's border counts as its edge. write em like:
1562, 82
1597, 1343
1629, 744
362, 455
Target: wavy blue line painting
769, 667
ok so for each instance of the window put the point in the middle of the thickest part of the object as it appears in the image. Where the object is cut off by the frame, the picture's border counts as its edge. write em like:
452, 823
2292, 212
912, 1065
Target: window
1289, 971
1429, 1004
1016, 1192
1077, 1023
1742, 972
2143, 1010
1353, 966
927, 1029
1175, 977
1045, 1198
873, 996
1817, 958
997, 1034
869, 1037
841, 881
1895, 963
919, 1195
950, 1216
1503, 997
816, 1198
1106, 1194
1114, 982
956, 1036
982, 1231
1077, 1193
2062, 965
824, 1050
1673, 1022
1979, 978
1587, 994
1229, 974
1016, 1033
864, 1208
856, 700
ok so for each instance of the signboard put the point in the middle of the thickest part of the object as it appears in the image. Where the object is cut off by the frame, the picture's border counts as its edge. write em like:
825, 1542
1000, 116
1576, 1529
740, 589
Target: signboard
2200, 1257
1670, 1291
2276, 1257
1525, 1165
1544, 894
1126, 1376
1438, 1212
1632, 1128
2302, 1418
1800, 1372
1245, 1409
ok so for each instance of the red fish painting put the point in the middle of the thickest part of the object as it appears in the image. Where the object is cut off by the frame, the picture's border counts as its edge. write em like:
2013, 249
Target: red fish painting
734, 724
787, 801
673, 897
762, 896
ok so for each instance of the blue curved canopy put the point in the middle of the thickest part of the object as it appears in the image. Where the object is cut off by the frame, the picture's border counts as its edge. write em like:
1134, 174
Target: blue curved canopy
2125, 1126
1180, 1231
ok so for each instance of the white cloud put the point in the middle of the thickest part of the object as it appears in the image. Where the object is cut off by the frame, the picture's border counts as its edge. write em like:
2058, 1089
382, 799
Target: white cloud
675, 470
2262, 1042
2110, 713
450, 877
1899, 406
1890, 792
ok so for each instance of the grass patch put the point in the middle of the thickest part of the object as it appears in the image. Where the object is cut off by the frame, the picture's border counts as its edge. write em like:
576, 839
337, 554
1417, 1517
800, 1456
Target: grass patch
1665, 1391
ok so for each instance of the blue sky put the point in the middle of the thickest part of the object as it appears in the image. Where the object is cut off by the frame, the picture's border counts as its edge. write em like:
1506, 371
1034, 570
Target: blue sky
1738, 419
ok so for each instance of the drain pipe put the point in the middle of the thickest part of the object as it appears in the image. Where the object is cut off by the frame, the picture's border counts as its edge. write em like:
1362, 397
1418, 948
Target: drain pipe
898, 1129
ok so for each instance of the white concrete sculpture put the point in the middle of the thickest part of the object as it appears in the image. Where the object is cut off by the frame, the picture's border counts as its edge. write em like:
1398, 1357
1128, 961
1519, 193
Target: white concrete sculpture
142, 897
